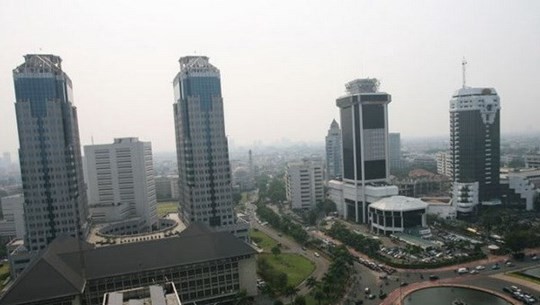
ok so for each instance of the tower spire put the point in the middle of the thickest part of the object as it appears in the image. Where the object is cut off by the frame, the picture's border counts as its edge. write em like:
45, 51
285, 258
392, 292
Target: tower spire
464, 69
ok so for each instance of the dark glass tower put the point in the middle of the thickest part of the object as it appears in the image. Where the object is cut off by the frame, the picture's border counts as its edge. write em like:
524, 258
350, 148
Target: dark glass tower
364, 129
475, 147
205, 191
50, 154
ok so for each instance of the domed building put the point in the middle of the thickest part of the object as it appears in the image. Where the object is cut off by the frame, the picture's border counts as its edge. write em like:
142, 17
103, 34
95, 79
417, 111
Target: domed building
397, 214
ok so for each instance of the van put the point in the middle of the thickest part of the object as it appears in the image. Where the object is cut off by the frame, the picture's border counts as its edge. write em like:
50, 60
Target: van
462, 270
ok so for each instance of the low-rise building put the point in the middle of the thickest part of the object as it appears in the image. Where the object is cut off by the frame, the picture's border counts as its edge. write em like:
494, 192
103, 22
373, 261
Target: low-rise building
205, 266
397, 214
12, 223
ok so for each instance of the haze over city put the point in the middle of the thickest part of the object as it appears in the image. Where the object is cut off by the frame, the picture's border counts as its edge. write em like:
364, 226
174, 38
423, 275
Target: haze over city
282, 64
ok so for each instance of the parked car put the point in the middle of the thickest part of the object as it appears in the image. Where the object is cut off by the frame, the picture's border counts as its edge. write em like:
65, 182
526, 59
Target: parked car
433, 277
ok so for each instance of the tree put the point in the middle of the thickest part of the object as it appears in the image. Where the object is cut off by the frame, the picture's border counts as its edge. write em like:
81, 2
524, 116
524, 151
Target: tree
311, 282
242, 298
280, 281
300, 300
517, 240
290, 291
276, 251
278, 302
318, 295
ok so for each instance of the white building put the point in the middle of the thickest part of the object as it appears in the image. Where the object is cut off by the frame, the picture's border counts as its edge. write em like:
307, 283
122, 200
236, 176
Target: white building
532, 161
305, 183
12, 224
364, 129
465, 196
397, 214
524, 186
121, 184
444, 167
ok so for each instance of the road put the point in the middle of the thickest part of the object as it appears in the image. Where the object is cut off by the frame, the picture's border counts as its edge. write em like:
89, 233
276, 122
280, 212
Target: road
493, 280
290, 246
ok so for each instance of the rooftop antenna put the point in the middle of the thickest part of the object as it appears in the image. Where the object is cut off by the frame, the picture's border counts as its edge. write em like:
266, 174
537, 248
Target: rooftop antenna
464, 68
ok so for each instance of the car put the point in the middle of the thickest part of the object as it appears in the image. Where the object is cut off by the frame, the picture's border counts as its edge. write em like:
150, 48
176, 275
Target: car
367, 290
462, 270
534, 258
433, 277
474, 271
509, 264
316, 254
371, 296
495, 267
402, 284
480, 267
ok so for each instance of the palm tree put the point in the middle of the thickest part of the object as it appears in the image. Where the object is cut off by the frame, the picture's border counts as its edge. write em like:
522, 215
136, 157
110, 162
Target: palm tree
318, 295
291, 291
311, 282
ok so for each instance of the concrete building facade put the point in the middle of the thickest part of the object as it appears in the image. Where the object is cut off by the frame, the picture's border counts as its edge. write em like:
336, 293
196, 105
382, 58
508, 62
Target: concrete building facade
204, 175
55, 201
121, 183
12, 223
304, 183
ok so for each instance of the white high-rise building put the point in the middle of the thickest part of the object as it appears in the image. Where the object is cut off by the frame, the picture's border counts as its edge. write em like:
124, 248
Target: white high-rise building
204, 175
334, 161
305, 183
55, 200
121, 184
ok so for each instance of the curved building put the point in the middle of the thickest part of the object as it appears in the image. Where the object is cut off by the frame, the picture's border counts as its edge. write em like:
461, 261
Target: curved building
397, 214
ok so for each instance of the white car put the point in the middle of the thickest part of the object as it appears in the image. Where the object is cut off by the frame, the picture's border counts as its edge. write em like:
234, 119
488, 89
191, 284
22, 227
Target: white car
480, 267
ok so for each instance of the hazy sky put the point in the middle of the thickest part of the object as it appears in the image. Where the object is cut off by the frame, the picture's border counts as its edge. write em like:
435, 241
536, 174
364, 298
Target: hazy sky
283, 63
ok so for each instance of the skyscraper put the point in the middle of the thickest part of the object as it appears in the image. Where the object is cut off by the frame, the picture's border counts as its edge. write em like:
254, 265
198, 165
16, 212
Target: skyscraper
50, 155
394, 150
201, 145
334, 162
475, 147
121, 183
364, 128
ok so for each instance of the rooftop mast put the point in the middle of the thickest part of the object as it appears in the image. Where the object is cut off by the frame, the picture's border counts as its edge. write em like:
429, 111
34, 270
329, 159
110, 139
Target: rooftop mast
464, 66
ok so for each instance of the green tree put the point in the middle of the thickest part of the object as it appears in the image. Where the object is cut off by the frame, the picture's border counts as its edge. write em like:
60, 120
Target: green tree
276, 251
517, 240
280, 281
300, 300
290, 291
278, 302
318, 295
311, 282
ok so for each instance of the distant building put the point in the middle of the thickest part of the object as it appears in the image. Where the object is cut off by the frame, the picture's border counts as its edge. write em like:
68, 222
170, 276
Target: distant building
364, 129
444, 166
242, 179
205, 267
532, 161
12, 223
6, 159
50, 154
394, 150
421, 183
521, 188
305, 183
204, 174
334, 160
475, 146
167, 187
121, 184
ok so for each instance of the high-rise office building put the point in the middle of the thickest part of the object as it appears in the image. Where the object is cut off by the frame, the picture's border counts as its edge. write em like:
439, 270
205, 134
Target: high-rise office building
394, 150
304, 183
121, 183
475, 147
204, 175
55, 200
364, 128
334, 162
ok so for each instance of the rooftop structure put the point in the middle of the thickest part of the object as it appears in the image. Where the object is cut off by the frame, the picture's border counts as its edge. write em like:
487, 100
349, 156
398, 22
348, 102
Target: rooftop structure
71, 269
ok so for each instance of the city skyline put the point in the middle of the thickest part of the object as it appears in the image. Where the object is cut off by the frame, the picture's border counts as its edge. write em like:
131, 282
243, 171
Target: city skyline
131, 66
